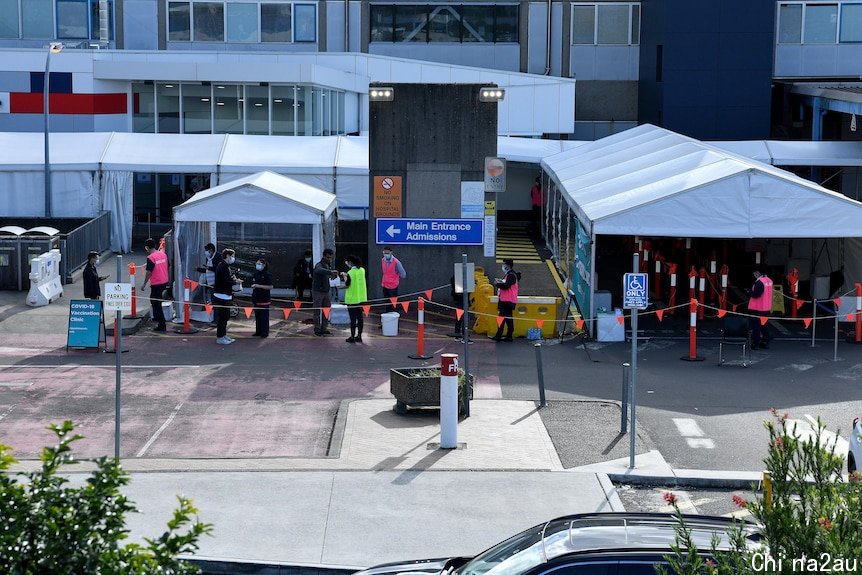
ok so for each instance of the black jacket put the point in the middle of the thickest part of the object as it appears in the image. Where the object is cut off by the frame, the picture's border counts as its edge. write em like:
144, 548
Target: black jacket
92, 290
223, 279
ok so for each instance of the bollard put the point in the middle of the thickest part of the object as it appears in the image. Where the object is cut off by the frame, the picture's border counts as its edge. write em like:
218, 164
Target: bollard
187, 328
134, 312
692, 333
420, 340
541, 375
687, 253
701, 296
757, 250
767, 489
858, 312
692, 279
625, 396
713, 273
723, 298
671, 300
793, 284
449, 401
657, 286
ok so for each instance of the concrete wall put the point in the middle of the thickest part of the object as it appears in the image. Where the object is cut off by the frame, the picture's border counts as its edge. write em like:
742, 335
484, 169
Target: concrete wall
434, 137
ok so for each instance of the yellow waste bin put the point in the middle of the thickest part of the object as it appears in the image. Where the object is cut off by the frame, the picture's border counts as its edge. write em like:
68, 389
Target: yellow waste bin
778, 300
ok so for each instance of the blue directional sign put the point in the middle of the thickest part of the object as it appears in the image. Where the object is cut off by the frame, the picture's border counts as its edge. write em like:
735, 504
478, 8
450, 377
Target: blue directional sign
635, 289
427, 231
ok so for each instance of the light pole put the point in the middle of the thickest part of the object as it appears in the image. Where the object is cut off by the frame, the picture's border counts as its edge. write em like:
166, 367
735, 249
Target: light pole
53, 48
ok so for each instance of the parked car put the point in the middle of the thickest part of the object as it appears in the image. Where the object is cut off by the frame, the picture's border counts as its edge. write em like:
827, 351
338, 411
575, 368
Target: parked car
854, 452
585, 544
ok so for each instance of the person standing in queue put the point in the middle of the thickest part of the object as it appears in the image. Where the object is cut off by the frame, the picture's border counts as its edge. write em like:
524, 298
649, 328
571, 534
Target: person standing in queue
302, 274
320, 291
208, 269
355, 297
760, 305
92, 289
223, 295
261, 287
157, 277
507, 297
392, 274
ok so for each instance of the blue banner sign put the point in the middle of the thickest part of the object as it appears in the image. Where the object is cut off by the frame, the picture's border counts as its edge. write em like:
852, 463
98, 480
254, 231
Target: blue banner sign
85, 323
426, 231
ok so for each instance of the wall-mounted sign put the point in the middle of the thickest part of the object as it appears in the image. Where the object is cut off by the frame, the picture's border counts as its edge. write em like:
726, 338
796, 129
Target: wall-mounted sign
387, 196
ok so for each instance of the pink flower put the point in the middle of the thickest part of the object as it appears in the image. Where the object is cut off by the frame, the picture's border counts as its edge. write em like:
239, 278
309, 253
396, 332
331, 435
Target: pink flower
710, 563
774, 412
856, 476
778, 443
669, 498
739, 501
825, 523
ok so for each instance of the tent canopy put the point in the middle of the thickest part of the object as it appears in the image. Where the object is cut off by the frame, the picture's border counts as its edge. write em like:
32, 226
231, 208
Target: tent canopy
651, 181
264, 197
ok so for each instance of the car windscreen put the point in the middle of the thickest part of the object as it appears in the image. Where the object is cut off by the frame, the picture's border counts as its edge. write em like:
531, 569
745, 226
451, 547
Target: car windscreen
519, 553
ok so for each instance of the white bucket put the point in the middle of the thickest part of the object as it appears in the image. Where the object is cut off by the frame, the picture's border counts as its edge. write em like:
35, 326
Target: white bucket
389, 321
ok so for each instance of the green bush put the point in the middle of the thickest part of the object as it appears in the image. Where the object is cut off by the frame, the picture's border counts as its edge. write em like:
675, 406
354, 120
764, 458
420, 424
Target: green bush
48, 526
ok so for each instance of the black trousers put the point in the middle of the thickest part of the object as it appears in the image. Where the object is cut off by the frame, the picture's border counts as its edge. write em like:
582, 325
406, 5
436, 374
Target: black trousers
156, 294
261, 321
222, 313
505, 309
390, 292
357, 321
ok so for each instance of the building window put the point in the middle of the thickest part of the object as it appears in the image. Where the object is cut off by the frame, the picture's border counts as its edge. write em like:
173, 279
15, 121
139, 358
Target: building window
9, 19
248, 22
821, 24
72, 17
606, 24
486, 23
37, 19
790, 24
143, 108
851, 23
228, 111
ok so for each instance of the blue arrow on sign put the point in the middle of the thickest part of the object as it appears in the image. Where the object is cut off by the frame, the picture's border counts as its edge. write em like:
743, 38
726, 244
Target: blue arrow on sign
430, 231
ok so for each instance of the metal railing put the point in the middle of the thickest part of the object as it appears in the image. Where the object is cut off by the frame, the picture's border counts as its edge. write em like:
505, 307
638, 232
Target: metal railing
94, 236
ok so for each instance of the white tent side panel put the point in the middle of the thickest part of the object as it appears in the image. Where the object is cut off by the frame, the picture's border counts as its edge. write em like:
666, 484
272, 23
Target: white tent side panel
249, 205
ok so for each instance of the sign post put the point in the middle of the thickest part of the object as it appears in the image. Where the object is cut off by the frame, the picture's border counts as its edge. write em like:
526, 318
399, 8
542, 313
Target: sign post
635, 290
118, 297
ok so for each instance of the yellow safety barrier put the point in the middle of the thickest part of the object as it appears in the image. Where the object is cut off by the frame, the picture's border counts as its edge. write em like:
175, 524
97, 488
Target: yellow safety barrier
527, 311
778, 300
485, 323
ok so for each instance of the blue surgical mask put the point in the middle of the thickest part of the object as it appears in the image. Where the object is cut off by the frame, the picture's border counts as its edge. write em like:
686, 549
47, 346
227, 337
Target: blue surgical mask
230, 260
258, 266
308, 259
388, 257
505, 269
97, 262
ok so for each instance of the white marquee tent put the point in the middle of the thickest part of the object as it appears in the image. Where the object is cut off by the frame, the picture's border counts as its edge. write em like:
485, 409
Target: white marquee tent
265, 197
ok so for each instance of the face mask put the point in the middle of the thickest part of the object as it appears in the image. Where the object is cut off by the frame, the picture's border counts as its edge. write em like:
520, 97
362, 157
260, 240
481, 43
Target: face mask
208, 254
97, 262
308, 259
230, 260
348, 264
258, 267
388, 257
505, 269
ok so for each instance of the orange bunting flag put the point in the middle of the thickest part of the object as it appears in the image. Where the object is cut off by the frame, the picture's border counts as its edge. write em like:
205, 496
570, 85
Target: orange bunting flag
837, 302
367, 309
500, 320
209, 307
405, 305
850, 316
195, 284
326, 311
540, 323
247, 311
428, 294
296, 304
579, 323
394, 300
733, 307
763, 320
621, 319
807, 322
286, 311
659, 313
798, 303
459, 313
722, 313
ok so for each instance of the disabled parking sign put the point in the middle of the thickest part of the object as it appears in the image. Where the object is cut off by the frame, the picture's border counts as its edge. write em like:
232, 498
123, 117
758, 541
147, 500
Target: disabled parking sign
635, 291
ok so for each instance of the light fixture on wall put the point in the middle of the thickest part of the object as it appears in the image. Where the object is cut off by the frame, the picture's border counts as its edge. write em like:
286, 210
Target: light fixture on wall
381, 94
493, 94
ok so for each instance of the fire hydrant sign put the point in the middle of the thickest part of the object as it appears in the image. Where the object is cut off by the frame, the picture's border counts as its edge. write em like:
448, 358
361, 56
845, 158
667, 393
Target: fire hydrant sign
118, 297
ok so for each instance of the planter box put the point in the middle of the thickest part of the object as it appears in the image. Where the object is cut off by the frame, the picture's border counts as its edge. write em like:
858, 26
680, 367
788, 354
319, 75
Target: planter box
412, 387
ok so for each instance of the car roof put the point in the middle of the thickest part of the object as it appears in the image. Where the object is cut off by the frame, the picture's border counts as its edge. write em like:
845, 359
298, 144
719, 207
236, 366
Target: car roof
600, 531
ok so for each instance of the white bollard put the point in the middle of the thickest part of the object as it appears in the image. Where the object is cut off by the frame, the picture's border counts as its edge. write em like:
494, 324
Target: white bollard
448, 401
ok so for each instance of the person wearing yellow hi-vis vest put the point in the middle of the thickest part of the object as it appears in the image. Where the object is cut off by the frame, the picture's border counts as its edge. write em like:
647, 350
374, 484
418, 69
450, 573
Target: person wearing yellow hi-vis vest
355, 297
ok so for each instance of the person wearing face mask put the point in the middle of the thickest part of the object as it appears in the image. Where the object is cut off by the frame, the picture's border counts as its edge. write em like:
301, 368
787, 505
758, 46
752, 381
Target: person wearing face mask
260, 297
507, 297
302, 273
223, 295
320, 292
92, 289
393, 273
208, 269
157, 277
355, 297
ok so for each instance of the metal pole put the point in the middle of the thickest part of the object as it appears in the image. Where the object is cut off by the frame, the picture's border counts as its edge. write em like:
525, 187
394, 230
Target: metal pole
118, 329
465, 332
634, 373
45, 90
835, 352
814, 323
538, 347
625, 395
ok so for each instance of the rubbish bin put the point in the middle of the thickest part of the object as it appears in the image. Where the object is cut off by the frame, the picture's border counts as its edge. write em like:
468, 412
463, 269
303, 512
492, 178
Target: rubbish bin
389, 321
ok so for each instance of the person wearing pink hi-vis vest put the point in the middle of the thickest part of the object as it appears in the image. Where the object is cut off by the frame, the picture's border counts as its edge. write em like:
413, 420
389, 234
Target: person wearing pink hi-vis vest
392, 274
157, 277
507, 297
760, 305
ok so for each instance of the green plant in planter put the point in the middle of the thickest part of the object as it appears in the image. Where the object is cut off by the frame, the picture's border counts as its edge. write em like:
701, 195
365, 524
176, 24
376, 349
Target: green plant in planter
420, 387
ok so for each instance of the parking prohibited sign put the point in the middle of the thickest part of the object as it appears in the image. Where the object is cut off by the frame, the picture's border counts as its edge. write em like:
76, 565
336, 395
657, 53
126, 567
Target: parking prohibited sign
635, 291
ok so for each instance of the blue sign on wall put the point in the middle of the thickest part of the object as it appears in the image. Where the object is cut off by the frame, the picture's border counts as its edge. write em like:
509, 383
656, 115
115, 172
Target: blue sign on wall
85, 323
429, 231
